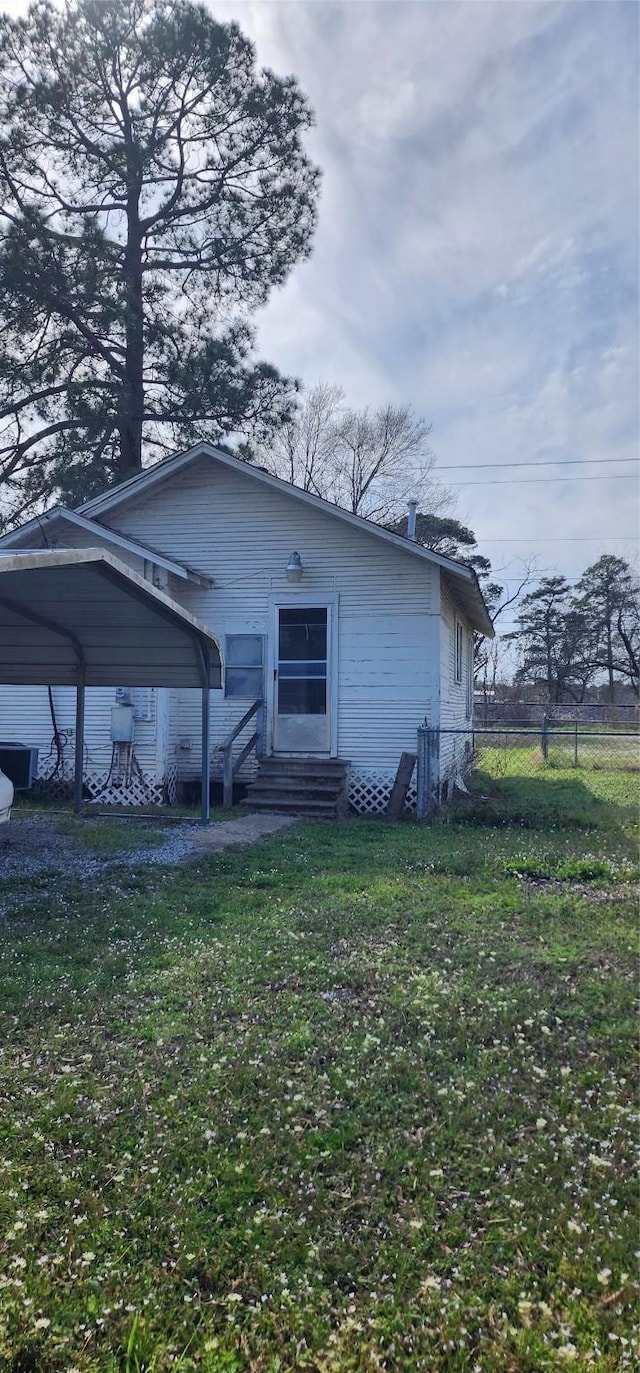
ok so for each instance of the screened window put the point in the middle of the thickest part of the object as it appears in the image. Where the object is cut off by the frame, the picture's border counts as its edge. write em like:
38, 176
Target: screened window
244, 675
470, 672
459, 651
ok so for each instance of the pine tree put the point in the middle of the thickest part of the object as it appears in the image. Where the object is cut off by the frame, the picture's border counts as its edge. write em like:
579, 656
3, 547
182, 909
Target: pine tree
607, 598
153, 190
551, 640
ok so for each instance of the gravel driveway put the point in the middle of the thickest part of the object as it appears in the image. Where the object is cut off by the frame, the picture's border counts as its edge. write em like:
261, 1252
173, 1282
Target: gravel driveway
33, 846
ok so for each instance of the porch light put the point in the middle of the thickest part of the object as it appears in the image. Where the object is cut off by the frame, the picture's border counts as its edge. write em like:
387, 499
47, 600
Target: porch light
294, 568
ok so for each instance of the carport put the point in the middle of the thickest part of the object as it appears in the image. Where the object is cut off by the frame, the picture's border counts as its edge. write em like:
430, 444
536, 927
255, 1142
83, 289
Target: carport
80, 617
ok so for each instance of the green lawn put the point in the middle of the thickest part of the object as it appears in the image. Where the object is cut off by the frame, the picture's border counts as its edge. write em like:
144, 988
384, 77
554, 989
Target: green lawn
358, 1099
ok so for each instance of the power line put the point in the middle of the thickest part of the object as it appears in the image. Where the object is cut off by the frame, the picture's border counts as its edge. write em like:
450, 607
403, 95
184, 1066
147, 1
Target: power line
535, 576
569, 538
546, 462
527, 481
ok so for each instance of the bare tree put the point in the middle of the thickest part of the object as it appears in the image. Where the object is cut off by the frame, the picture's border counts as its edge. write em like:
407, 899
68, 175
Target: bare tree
301, 451
487, 677
381, 459
368, 461
486, 651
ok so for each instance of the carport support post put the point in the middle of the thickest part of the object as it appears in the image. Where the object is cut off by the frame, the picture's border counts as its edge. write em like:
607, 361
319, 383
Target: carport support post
205, 809
79, 754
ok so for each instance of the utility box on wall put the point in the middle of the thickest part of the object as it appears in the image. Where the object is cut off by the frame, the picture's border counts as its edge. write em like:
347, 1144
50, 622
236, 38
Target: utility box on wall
122, 727
142, 702
139, 698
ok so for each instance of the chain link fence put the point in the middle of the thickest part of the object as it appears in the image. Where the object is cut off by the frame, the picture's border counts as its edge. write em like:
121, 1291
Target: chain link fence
447, 756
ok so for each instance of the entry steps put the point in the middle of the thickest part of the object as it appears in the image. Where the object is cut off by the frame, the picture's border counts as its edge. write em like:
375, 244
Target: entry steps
314, 787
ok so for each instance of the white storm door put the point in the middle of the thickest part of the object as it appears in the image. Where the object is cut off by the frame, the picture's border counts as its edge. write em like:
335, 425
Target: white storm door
302, 695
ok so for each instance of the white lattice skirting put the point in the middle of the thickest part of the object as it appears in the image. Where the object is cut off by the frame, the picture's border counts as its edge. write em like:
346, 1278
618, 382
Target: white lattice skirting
172, 784
143, 789
369, 791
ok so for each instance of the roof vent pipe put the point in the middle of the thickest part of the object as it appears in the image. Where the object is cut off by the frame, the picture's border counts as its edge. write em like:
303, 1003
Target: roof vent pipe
411, 520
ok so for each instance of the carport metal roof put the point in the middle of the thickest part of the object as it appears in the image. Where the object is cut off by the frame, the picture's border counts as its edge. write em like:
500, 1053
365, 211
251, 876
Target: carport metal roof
80, 617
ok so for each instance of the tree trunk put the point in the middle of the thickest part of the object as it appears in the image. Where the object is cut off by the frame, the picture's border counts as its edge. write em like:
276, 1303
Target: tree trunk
633, 673
130, 426
612, 685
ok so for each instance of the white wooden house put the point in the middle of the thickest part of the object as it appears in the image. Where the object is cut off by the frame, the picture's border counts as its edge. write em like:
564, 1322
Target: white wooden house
352, 636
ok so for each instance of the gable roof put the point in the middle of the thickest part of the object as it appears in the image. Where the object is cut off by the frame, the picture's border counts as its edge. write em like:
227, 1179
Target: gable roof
462, 580
60, 515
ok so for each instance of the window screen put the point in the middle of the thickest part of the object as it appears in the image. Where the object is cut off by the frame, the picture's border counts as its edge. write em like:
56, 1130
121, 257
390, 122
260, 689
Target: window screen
244, 675
470, 673
459, 651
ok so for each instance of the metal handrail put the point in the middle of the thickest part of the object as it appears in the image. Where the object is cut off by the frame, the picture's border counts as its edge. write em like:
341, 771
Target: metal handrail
229, 764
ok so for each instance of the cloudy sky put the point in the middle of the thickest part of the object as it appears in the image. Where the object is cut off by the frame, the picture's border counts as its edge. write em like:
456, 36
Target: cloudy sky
477, 248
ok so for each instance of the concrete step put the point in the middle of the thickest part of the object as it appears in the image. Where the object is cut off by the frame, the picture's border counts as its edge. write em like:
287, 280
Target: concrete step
293, 767
322, 810
318, 786
300, 786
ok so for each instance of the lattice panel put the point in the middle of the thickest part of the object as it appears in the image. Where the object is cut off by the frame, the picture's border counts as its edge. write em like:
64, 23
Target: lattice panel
58, 788
141, 789
171, 784
369, 791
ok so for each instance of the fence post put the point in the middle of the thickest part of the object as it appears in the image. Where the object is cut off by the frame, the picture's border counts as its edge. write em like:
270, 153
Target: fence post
433, 767
575, 747
545, 736
428, 770
421, 773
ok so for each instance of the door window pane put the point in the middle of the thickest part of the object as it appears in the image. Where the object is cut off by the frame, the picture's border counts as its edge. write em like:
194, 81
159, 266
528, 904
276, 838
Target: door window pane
303, 634
302, 661
305, 669
310, 615
302, 696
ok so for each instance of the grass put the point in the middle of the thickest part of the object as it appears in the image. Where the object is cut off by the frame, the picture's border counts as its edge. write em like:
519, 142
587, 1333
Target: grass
609, 755
108, 835
358, 1099
517, 788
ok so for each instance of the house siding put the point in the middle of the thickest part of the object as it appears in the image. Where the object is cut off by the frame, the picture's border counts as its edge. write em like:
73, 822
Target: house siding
25, 717
241, 534
394, 620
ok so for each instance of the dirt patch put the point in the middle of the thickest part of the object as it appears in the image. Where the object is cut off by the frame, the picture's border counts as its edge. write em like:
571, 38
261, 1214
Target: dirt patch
589, 891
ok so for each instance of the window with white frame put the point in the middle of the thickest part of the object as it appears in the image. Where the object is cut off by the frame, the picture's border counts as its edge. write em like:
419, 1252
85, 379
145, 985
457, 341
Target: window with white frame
459, 650
244, 667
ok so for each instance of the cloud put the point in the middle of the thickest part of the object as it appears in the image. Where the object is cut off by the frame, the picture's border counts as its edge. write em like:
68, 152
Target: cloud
477, 246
